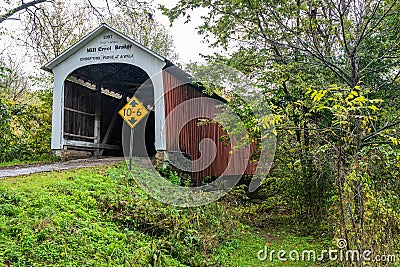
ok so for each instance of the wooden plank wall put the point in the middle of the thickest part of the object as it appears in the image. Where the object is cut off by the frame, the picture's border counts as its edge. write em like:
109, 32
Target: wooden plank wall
79, 119
78, 98
193, 133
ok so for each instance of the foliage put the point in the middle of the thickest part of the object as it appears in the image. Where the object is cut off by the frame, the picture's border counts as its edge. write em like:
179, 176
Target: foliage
48, 30
14, 82
26, 129
51, 29
275, 239
353, 117
100, 217
56, 221
137, 21
329, 71
25, 126
7, 12
175, 176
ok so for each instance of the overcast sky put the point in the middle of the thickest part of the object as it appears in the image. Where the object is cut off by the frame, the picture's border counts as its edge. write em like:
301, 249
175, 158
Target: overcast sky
189, 44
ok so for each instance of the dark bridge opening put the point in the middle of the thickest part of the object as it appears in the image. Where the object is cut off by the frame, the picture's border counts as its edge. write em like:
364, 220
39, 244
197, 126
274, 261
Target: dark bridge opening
93, 95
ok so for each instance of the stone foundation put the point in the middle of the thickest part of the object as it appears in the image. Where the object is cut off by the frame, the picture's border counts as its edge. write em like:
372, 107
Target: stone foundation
72, 154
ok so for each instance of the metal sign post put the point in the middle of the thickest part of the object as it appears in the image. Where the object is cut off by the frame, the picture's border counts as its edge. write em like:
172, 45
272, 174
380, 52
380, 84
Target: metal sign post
132, 113
131, 148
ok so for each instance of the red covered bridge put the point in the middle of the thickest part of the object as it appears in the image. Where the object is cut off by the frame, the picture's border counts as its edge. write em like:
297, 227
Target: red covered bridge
94, 78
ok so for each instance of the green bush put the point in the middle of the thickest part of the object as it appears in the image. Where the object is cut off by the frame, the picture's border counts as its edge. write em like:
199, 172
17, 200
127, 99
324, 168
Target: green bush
98, 217
25, 128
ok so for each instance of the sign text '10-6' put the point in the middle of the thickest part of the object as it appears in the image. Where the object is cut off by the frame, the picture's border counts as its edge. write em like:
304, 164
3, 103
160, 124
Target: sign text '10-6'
133, 112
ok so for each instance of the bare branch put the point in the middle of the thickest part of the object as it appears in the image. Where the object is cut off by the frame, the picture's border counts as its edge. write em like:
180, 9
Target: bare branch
23, 6
380, 130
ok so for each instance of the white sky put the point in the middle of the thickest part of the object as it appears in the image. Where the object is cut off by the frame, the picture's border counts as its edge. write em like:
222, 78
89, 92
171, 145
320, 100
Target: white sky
189, 44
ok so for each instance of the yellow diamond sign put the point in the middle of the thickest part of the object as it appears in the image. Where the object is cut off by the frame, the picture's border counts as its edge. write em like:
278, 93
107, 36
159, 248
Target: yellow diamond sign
133, 112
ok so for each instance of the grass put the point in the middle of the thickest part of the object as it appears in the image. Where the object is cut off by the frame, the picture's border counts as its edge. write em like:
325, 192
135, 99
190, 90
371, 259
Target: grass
99, 217
53, 219
245, 250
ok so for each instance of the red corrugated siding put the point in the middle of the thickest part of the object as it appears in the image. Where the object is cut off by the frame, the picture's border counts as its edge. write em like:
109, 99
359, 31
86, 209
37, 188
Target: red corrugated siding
192, 133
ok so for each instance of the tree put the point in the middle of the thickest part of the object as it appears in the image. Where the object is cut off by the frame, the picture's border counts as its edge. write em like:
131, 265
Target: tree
354, 40
342, 51
14, 82
7, 13
24, 6
51, 29
24, 124
137, 21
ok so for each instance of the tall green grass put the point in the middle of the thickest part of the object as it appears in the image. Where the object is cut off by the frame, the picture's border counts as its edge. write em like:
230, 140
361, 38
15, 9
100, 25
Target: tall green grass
99, 217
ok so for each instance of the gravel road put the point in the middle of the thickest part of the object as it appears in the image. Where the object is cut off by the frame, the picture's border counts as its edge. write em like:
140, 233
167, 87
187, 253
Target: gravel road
58, 166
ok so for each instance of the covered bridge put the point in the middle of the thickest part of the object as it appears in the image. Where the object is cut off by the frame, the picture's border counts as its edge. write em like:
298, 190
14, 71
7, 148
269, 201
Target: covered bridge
95, 78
